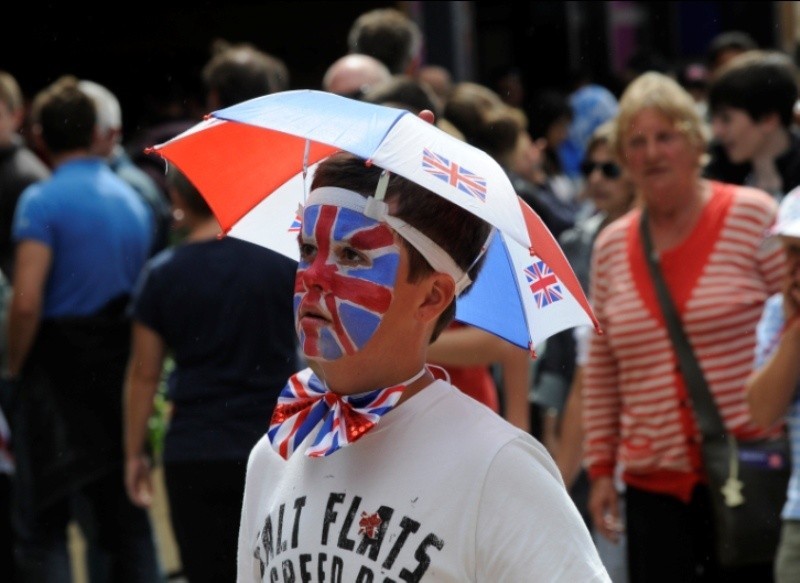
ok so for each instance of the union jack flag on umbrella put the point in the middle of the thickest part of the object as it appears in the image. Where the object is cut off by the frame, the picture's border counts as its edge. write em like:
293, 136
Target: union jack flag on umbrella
453, 174
253, 161
544, 284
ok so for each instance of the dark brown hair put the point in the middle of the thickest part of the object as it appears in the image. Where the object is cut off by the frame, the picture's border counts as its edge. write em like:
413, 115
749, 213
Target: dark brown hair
188, 192
240, 72
387, 34
65, 115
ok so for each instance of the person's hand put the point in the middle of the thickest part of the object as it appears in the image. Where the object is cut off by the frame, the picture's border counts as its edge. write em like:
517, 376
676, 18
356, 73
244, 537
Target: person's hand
138, 483
427, 115
604, 508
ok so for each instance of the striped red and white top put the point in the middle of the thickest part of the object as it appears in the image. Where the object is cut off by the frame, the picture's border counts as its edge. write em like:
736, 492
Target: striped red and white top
637, 410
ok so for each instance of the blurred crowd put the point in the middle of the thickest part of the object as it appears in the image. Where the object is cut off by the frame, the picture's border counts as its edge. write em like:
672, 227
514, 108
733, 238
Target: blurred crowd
117, 288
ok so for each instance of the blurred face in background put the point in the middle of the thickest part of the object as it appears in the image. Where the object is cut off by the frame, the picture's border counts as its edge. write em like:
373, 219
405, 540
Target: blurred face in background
558, 132
660, 159
528, 156
9, 123
741, 136
605, 184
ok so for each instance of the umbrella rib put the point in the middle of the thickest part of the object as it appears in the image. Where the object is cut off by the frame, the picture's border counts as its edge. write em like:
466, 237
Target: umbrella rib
520, 291
387, 132
306, 154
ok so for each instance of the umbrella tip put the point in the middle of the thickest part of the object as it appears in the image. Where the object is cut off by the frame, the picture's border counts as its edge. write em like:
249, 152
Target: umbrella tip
532, 351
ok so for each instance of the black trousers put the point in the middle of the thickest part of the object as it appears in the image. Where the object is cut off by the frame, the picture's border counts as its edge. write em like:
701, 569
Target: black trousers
6, 532
205, 501
670, 541
119, 535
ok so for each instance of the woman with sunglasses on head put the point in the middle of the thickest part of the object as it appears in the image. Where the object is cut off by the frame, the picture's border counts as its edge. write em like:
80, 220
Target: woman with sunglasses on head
709, 238
610, 195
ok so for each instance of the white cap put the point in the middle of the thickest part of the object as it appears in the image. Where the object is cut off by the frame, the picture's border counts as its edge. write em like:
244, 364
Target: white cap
788, 220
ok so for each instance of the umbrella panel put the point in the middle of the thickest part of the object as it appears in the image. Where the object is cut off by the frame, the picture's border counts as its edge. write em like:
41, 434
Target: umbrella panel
213, 158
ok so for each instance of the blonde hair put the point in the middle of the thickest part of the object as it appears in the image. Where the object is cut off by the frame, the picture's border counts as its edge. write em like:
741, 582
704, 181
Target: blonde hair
657, 91
603, 135
10, 93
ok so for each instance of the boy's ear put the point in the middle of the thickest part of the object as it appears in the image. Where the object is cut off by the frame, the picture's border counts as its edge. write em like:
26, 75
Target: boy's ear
440, 291
37, 138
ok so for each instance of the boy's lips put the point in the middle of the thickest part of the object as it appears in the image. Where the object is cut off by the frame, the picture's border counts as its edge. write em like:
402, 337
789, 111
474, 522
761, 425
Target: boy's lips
312, 312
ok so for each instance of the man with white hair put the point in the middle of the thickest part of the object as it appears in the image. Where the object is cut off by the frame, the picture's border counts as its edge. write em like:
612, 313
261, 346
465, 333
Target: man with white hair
81, 238
354, 75
108, 144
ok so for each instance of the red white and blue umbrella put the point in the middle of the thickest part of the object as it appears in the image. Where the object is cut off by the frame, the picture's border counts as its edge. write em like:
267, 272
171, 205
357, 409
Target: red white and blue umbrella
253, 161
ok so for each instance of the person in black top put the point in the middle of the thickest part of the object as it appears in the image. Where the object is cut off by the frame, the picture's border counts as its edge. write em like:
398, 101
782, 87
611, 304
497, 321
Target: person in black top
222, 308
751, 101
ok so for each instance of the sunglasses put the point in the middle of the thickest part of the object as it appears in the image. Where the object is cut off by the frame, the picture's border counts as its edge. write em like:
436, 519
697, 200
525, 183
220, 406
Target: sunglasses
609, 169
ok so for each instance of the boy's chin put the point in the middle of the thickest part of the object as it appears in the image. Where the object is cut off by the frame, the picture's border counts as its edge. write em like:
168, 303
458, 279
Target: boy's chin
321, 361
321, 357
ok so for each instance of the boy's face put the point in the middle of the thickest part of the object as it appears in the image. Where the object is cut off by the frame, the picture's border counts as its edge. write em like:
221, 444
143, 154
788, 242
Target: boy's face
741, 136
345, 280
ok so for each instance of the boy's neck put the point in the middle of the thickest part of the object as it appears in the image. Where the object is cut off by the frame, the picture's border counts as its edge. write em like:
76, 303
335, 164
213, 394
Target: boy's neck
766, 174
347, 376
775, 145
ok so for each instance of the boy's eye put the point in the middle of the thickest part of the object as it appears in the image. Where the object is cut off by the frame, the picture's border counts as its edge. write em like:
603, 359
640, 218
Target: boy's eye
307, 251
350, 255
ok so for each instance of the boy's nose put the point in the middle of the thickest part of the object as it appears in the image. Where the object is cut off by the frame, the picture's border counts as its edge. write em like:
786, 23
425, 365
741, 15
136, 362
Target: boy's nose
319, 274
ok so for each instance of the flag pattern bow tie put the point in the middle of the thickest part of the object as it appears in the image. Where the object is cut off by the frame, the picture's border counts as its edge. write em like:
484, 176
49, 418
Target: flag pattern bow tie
305, 401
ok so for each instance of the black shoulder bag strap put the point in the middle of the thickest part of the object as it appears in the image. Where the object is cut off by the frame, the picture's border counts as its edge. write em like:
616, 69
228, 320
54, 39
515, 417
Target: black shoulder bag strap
707, 414
708, 418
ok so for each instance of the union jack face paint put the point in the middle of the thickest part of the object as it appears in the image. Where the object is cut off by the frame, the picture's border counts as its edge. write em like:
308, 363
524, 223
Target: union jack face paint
345, 280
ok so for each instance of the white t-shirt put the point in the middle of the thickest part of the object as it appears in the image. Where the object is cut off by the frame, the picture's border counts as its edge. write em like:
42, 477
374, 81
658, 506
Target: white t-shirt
442, 489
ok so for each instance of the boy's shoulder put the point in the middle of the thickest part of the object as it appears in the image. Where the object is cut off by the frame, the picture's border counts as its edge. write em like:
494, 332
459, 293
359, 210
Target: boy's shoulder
444, 409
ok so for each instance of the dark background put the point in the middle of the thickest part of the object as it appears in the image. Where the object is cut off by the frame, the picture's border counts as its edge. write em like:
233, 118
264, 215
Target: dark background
150, 52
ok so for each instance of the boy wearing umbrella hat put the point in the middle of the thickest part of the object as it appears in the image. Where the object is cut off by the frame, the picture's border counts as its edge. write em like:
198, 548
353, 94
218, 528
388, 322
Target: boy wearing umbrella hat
372, 469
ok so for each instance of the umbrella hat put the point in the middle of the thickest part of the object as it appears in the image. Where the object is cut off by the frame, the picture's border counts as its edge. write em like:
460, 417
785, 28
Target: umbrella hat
253, 161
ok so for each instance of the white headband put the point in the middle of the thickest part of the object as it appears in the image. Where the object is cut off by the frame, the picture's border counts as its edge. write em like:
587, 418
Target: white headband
439, 259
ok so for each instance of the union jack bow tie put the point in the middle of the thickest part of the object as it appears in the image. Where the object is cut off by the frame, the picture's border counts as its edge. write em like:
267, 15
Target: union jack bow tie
305, 401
